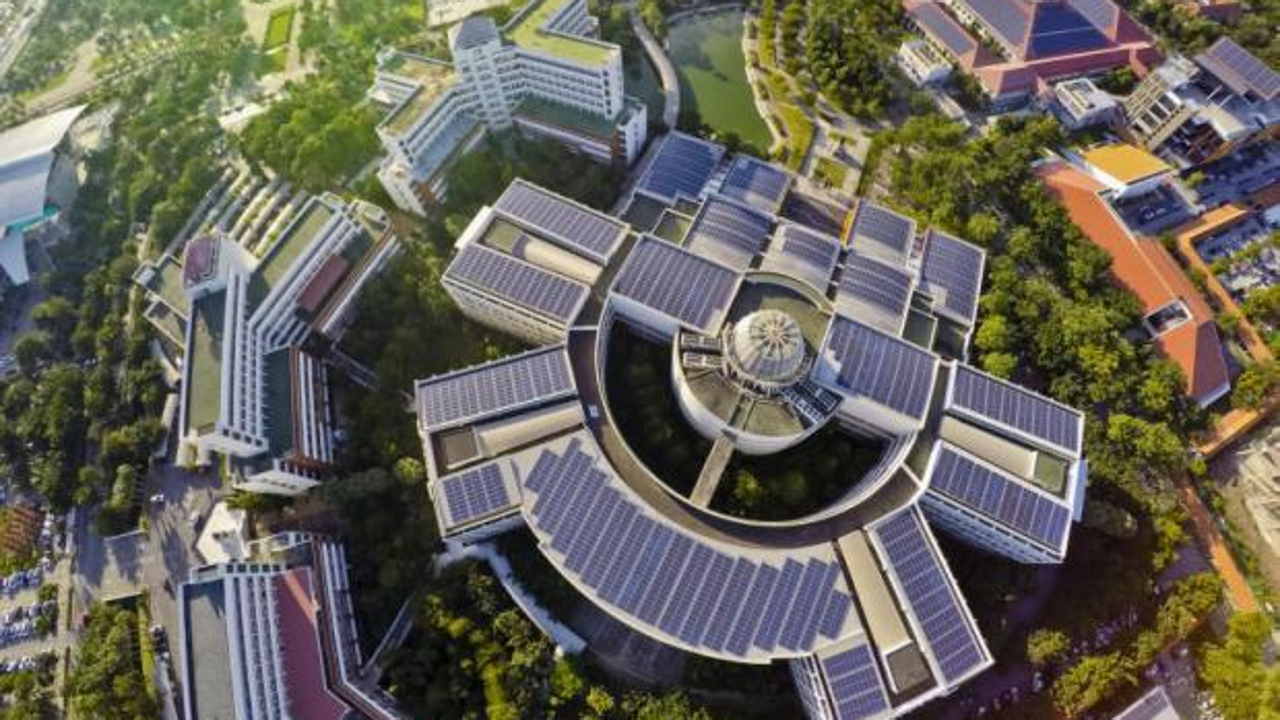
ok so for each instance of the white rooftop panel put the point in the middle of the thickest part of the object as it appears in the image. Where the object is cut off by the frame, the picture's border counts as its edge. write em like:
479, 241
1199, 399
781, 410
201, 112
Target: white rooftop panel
26, 156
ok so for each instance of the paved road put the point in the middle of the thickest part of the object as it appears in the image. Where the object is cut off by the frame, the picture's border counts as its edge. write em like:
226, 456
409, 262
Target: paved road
666, 70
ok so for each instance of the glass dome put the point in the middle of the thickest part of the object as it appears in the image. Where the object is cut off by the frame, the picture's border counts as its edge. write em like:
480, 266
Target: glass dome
767, 347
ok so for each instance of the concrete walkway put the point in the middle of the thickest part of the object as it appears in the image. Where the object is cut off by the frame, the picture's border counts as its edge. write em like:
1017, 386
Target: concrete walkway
666, 70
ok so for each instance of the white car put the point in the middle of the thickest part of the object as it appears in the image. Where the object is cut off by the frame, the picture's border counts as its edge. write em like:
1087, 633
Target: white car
157, 499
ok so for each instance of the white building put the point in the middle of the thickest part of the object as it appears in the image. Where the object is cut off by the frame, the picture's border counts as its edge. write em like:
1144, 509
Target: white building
1079, 103
543, 73
27, 154
255, 285
273, 637
923, 63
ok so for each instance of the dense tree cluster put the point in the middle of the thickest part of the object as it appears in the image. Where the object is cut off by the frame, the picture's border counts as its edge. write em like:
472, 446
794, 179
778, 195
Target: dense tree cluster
1244, 686
106, 681
847, 46
1190, 32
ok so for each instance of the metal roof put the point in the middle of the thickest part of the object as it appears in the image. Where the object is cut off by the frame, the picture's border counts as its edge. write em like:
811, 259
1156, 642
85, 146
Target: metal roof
26, 156
1240, 70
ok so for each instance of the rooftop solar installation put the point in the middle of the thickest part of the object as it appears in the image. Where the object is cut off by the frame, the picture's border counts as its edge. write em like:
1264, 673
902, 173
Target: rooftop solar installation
803, 253
676, 283
1000, 497
730, 233
1240, 70
664, 578
488, 389
882, 233
875, 293
1102, 14
954, 267
1007, 19
473, 494
758, 184
857, 690
939, 25
516, 281
577, 228
682, 166
992, 399
913, 560
1058, 29
1155, 705
889, 371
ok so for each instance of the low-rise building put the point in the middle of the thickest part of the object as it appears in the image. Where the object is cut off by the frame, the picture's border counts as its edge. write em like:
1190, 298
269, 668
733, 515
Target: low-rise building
1079, 103
923, 63
1127, 171
1192, 112
543, 73
273, 637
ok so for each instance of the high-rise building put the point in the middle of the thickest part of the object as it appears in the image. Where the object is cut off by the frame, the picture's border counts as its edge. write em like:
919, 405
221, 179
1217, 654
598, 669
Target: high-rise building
543, 73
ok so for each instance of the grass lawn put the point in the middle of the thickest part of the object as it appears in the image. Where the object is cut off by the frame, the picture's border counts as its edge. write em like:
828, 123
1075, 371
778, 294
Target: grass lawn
273, 62
799, 130
279, 28
831, 173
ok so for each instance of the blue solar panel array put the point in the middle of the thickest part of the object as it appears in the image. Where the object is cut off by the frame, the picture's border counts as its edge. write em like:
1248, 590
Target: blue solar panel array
518, 282
682, 166
935, 22
803, 253
1006, 18
929, 592
999, 497
756, 183
494, 387
889, 371
882, 233
878, 294
728, 232
854, 682
473, 494
1155, 705
955, 266
1102, 14
594, 235
1240, 70
675, 282
673, 581
1017, 408
1058, 29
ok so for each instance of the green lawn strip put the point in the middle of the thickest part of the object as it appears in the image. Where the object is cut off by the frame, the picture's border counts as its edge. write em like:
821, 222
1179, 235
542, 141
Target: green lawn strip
799, 130
146, 650
279, 28
831, 172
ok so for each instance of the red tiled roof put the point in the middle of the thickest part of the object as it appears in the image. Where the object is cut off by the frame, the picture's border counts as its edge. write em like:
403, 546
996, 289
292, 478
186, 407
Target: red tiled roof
305, 687
1146, 269
323, 283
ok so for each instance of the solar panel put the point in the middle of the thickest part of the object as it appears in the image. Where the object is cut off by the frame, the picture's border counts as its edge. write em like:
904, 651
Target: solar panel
676, 283
730, 233
885, 369
875, 293
937, 24
882, 233
517, 282
1000, 497
1007, 19
595, 235
993, 400
494, 387
756, 183
932, 599
1240, 70
671, 581
854, 683
1155, 705
803, 253
473, 494
1102, 14
682, 166
955, 267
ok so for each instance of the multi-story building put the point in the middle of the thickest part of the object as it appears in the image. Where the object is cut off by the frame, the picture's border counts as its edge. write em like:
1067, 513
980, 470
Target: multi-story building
255, 304
1194, 112
1079, 103
543, 73
273, 637
775, 329
1016, 48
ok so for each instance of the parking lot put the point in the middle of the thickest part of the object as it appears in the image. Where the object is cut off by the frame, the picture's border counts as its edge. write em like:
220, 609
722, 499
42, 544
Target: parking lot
1155, 212
1248, 271
33, 605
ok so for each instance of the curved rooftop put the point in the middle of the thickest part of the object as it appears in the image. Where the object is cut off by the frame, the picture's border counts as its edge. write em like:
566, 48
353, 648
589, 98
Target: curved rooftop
767, 348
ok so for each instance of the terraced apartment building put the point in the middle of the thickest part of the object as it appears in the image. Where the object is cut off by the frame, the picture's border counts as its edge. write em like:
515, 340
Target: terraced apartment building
543, 73
251, 307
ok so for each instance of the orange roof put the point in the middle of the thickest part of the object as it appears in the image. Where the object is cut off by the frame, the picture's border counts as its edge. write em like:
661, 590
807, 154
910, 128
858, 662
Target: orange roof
1219, 218
1146, 269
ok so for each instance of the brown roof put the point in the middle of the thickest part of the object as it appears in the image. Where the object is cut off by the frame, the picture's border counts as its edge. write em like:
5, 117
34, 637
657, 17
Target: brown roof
1145, 268
322, 284
296, 615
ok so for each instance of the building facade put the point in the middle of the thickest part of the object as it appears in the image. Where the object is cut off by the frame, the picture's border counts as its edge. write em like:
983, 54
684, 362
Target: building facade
543, 73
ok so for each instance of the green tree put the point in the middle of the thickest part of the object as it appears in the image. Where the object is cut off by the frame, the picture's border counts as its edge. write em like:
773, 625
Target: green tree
1234, 672
106, 682
1046, 646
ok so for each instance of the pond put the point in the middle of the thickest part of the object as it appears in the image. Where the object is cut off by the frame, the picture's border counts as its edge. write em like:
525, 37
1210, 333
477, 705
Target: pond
707, 52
